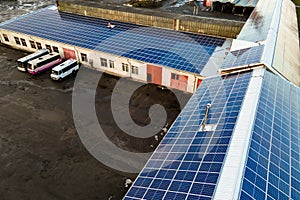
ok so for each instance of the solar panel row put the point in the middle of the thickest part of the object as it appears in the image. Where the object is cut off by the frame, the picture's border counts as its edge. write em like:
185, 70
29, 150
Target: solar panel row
184, 51
242, 57
187, 163
272, 169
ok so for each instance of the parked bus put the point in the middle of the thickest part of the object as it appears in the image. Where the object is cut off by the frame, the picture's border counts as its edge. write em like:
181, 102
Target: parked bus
22, 62
64, 69
43, 63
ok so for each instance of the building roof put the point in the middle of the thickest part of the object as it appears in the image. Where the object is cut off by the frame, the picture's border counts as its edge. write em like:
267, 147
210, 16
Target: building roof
272, 164
242, 3
254, 150
269, 37
183, 51
253, 153
188, 161
161, 12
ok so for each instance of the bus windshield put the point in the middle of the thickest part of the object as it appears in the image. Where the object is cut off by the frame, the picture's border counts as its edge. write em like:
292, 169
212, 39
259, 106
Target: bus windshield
55, 72
20, 64
30, 66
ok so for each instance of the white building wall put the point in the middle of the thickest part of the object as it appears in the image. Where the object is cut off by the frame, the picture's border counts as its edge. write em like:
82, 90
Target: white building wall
96, 56
166, 76
192, 83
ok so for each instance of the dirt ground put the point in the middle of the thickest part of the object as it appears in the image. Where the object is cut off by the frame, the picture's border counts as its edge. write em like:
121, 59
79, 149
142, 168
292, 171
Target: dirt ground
41, 154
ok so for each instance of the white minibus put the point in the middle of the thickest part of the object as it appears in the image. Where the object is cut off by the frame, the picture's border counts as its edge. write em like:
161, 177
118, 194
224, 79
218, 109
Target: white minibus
64, 69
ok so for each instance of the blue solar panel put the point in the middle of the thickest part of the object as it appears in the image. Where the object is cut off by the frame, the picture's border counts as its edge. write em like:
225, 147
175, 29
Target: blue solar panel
187, 163
242, 57
273, 164
183, 51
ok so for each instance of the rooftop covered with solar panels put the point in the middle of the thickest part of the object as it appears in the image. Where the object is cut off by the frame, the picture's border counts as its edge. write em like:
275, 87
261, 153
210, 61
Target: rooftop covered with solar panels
269, 38
253, 151
238, 136
250, 149
179, 50
262, 40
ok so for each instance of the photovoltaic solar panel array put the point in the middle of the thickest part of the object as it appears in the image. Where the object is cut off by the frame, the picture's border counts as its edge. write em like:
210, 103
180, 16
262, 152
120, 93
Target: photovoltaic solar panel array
187, 163
242, 57
273, 165
183, 51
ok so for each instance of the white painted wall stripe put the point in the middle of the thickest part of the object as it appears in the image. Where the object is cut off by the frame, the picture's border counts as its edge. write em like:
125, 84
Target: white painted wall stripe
229, 183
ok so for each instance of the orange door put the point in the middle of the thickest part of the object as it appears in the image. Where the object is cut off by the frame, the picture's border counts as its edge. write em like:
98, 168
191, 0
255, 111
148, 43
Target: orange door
69, 54
154, 74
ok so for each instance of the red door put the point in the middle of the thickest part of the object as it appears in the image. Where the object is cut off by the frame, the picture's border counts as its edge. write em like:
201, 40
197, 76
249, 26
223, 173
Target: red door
154, 74
199, 82
179, 81
69, 54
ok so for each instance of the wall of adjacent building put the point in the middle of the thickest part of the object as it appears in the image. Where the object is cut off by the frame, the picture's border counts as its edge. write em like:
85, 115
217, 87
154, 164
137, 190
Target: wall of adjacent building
209, 26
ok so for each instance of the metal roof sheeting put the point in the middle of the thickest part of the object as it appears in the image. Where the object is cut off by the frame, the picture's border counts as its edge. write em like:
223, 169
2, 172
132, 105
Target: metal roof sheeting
242, 3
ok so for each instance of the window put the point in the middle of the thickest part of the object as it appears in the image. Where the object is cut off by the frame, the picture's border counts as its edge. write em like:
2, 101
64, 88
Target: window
134, 70
17, 40
48, 60
103, 62
48, 47
39, 45
125, 67
5, 37
32, 44
55, 49
84, 57
174, 76
112, 64
23, 42
69, 67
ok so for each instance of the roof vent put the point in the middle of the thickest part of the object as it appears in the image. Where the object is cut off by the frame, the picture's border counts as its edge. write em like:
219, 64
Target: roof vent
204, 125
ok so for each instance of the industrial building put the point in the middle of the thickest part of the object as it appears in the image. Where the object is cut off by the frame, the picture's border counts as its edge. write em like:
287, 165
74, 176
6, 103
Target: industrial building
177, 60
238, 137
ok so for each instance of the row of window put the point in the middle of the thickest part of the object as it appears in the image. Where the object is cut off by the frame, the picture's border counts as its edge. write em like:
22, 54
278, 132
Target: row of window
33, 44
103, 62
125, 67
134, 69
